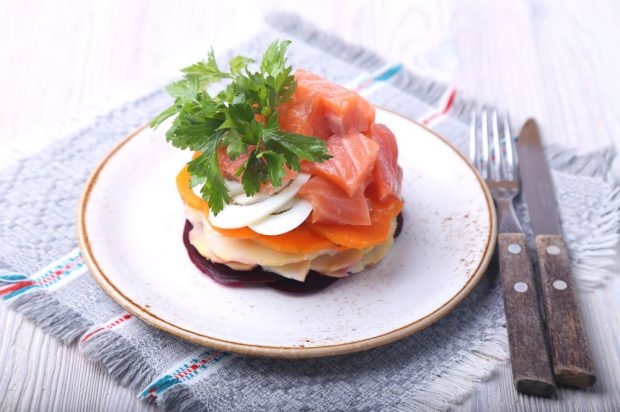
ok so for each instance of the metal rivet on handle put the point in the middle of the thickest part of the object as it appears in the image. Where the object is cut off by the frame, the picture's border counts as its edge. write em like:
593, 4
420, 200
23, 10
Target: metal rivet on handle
520, 287
514, 248
560, 285
553, 250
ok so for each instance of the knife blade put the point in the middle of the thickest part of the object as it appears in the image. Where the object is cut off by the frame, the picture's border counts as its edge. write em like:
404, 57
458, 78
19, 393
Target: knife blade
570, 351
537, 183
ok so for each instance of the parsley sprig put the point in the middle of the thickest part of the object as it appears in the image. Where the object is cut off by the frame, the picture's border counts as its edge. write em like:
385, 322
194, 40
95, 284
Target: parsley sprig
243, 115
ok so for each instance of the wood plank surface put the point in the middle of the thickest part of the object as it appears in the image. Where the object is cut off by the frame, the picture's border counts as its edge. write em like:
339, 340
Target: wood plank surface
64, 62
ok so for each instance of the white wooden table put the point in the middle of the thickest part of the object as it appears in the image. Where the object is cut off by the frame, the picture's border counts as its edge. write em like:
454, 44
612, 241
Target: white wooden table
63, 62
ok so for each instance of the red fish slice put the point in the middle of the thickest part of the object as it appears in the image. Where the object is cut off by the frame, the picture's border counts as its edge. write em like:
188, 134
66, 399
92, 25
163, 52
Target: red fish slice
387, 175
330, 204
352, 162
321, 108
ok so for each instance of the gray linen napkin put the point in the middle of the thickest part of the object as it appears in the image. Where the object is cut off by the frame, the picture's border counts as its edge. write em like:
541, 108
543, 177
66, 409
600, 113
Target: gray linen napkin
431, 369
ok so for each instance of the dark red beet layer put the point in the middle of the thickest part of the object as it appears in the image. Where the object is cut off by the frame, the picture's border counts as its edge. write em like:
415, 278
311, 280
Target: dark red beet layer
314, 282
399, 225
228, 276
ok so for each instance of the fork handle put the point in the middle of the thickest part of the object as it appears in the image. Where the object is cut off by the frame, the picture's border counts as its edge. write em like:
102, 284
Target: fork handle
570, 351
531, 370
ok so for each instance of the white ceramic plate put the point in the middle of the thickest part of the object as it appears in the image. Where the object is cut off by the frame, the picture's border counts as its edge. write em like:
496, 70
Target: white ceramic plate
130, 225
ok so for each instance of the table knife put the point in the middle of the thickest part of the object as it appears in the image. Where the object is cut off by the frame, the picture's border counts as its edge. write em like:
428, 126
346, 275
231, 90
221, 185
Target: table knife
569, 348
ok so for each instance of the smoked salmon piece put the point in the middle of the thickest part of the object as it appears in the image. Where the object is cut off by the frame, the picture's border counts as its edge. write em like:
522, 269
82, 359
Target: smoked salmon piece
387, 174
330, 204
321, 108
229, 168
352, 163
303, 115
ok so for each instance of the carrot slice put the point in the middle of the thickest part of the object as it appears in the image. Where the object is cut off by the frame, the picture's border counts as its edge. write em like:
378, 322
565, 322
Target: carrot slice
360, 237
240, 233
299, 240
187, 194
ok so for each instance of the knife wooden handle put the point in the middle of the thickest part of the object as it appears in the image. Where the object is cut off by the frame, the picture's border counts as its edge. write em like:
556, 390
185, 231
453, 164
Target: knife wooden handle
570, 352
531, 369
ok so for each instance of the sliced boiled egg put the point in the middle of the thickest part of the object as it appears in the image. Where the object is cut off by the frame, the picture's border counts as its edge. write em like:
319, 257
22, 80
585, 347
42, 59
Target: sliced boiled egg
234, 215
245, 200
234, 188
284, 220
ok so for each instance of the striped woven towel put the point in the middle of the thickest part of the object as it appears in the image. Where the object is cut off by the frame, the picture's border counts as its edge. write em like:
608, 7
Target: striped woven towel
430, 369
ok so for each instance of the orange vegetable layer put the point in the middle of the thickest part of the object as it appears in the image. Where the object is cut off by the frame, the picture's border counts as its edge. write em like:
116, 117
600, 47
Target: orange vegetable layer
187, 194
299, 240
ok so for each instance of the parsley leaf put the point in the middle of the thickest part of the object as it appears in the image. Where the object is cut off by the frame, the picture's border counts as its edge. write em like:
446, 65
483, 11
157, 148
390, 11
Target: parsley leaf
275, 166
205, 72
253, 174
238, 63
207, 167
186, 89
242, 119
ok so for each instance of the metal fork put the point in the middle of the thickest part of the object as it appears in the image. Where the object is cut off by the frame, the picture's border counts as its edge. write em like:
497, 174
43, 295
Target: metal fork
494, 155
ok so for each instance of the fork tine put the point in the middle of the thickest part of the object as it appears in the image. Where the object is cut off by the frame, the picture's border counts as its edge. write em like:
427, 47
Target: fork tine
496, 165
473, 146
510, 153
484, 163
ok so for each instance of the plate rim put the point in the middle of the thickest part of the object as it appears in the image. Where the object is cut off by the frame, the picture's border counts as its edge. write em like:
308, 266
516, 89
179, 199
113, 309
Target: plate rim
281, 351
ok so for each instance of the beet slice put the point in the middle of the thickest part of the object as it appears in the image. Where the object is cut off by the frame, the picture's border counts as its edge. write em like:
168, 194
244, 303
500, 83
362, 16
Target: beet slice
399, 225
313, 283
228, 276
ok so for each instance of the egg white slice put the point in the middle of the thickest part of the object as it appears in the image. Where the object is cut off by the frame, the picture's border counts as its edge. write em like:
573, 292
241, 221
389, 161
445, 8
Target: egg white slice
285, 221
234, 216
245, 200
234, 188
